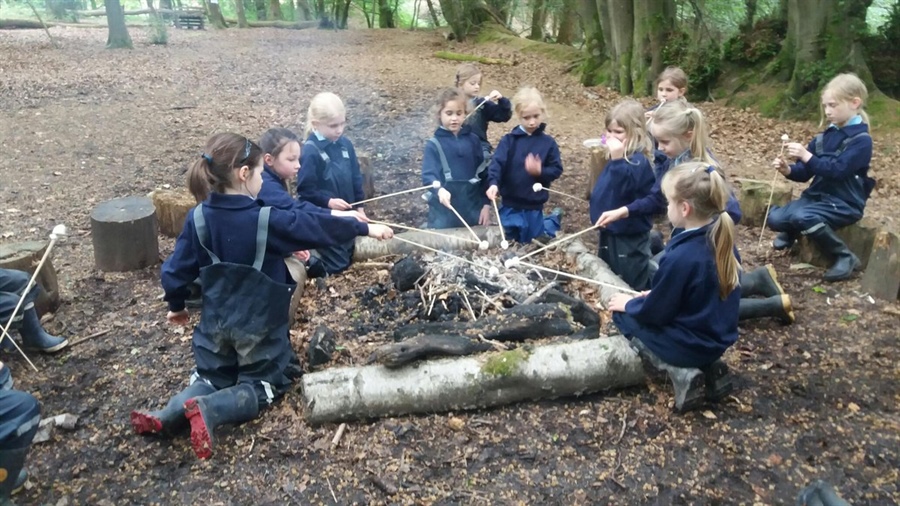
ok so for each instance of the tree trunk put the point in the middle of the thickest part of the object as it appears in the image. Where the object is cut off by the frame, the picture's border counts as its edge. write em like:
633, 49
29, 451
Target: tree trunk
261, 9
385, 14
275, 10
320, 8
345, 14
568, 26
466, 16
305, 11
118, 32
214, 14
241, 15
823, 39
594, 42
538, 18
502, 8
749, 15
494, 379
434, 17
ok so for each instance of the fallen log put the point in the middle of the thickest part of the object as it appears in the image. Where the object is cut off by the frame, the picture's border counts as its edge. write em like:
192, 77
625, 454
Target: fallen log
581, 312
459, 239
426, 346
447, 55
531, 321
589, 265
289, 25
882, 276
22, 24
491, 379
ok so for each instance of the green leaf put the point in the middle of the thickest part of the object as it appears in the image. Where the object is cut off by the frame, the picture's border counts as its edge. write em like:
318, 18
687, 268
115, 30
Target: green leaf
850, 317
819, 289
129, 371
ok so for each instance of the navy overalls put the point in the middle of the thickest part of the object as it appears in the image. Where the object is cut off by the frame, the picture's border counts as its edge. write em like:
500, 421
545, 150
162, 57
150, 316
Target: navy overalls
468, 193
12, 282
337, 179
242, 335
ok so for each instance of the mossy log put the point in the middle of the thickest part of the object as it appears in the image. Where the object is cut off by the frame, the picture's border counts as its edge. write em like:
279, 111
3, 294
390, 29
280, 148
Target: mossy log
459, 239
529, 321
287, 25
22, 24
25, 256
172, 207
447, 55
489, 379
859, 238
882, 276
754, 198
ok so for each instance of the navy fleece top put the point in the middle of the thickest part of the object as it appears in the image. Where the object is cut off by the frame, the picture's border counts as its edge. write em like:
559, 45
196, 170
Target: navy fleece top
842, 177
232, 221
309, 186
688, 321
622, 182
501, 112
507, 168
464, 156
274, 193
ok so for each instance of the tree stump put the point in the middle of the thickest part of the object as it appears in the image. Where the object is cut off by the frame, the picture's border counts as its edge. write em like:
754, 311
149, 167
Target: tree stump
25, 256
859, 238
882, 276
368, 176
754, 198
172, 208
124, 233
596, 165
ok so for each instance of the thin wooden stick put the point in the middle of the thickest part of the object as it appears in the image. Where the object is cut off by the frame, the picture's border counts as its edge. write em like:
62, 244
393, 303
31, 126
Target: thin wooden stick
468, 305
41, 21
87, 338
559, 241
338, 435
784, 140
425, 231
580, 278
475, 110
538, 187
464, 223
503, 243
428, 187
429, 248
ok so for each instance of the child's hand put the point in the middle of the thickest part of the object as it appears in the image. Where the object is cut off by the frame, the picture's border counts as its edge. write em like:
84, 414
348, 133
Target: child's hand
178, 317
612, 216
617, 302
303, 256
339, 204
444, 197
484, 218
361, 214
495, 96
380, 232
648, 114
616, 148
781, 166
533, 165
351, 214
798, 151
492, 192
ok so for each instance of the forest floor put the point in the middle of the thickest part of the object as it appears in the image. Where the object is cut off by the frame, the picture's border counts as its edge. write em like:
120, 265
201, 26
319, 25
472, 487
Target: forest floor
80, 125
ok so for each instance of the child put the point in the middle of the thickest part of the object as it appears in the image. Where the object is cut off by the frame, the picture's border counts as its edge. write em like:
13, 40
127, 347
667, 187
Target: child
331, 176
20, 415
12, 283
625, 244
495, 107
237, 246
453, 157
526, 156
689, 317
671, 86
837, 161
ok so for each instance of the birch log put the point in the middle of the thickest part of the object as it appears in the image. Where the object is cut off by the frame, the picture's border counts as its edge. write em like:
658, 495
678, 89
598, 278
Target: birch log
492, 379
589, 265
458, 239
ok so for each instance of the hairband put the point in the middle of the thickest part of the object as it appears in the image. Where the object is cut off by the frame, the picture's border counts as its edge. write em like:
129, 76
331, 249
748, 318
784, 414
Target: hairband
208, 158
710, 169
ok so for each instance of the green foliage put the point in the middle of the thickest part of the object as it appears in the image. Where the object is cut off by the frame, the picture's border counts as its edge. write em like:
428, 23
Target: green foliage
159, 32
63, 10
702, 61
881, 51
760, 44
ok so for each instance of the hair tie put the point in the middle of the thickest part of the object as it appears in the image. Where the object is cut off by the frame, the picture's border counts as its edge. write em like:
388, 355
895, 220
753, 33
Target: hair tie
723, 211
208, 158
710, 169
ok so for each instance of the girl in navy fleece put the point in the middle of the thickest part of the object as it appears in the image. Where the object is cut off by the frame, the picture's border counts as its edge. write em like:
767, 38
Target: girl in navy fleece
671, 85
689, 317
454, 158
237, 246
525, 156
330, 177
494, 108
625, 244
837, 161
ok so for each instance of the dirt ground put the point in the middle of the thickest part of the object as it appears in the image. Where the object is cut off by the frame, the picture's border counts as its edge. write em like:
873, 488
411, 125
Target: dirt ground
81, 125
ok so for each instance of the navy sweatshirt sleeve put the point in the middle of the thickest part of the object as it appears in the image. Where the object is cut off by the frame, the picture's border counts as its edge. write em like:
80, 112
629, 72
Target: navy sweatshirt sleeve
182, 267
800, 172
501, 112
622, 182
661, 305
855, 158
551, 165
431, 167
655, 202
311, 165
498, 161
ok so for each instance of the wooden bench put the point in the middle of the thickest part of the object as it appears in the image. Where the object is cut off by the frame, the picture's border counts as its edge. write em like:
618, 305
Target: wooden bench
189, 19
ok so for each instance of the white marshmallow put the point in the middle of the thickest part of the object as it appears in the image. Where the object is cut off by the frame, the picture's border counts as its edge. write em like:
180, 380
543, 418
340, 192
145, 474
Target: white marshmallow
504, 244
537, 187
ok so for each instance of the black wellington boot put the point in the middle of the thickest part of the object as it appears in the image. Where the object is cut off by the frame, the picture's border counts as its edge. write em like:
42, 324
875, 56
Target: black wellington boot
35, 338
820, 493
783, 240
776, 306
690, 388
231, 405
11, 464
761, 281
719, 381
172, 417
845, 262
